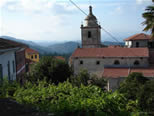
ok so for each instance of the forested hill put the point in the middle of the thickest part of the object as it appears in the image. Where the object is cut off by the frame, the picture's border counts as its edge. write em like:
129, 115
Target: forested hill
59, 48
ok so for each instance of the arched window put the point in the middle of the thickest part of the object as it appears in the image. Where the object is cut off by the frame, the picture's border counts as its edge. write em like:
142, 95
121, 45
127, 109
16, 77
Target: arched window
137, 44
136, 63
89, 34
97, 62
81, 62
116, 62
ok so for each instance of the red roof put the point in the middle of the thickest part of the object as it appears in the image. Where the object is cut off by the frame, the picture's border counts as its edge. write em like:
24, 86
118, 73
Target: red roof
60, 58
124, 72
31, 51
111, 52
140, 36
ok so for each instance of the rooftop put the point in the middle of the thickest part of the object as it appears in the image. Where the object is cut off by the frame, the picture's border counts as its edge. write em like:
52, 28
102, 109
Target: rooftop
124, 72
31, 51
8, 44
140, 36
110, 52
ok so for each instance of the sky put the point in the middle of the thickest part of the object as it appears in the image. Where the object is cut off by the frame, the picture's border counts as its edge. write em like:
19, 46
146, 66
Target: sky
60, 20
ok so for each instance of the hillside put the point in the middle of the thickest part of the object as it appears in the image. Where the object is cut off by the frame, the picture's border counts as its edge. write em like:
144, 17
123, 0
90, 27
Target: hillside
59, 48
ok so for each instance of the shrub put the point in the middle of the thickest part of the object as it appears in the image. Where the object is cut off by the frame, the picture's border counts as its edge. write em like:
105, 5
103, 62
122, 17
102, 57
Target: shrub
71, 100
51, 69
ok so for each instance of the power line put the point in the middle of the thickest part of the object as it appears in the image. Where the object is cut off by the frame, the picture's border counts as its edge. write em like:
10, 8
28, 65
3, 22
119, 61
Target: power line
111, 35
78, 7
102, 28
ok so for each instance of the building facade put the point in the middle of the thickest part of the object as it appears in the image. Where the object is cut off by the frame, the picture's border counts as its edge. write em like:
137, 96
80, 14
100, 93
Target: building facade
32, 55
11, 59
91, 32
112, 63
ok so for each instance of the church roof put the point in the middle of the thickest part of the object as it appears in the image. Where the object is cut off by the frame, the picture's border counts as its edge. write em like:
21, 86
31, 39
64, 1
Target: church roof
110, 52
124, 72
90, 15
140, 36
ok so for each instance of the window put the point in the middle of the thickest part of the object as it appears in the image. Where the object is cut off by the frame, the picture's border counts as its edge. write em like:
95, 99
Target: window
1, 71
13, 64
35, 56
136, 63
8, 65
81, 62
116, 62
89, 34
32, 56
97, 62
137, 44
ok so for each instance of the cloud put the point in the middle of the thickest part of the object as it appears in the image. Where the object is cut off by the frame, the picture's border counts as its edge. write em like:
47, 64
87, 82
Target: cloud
142, 1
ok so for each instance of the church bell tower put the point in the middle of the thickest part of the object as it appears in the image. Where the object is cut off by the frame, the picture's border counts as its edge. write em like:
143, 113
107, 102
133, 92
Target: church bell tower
91, 32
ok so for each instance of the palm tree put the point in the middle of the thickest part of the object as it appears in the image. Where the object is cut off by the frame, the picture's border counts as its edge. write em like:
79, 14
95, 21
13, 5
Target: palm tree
149, 20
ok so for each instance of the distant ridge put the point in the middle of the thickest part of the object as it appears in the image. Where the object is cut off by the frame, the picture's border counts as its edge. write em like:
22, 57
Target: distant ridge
59, 48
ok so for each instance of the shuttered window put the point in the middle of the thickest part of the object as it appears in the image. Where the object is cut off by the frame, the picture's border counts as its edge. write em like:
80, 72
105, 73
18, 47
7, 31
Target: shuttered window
1, 71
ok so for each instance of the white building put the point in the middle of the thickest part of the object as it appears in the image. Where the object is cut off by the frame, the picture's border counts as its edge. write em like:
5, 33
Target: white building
137, 40
8, 63
8, 59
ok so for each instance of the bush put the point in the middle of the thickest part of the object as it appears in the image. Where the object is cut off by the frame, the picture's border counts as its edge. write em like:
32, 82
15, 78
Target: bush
132, 85
71, 100
146, 97
51, 69
7, 88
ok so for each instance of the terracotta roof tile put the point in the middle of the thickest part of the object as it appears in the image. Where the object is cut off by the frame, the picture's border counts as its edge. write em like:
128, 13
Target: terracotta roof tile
111, 52
140, 36
124, 72
31, 51
60, 58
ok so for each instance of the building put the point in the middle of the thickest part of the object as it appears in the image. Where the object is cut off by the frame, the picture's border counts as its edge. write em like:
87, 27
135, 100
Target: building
113, 63
137, 40
12, 59
91, 32
60, 58
32, 55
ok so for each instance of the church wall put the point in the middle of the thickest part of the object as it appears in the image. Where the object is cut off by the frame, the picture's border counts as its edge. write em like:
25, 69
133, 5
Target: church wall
91, 63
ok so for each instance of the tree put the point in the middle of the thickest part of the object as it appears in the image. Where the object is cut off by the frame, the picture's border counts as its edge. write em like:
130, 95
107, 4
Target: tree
81, 78
52, 69
132, 85
146, 97
149, 19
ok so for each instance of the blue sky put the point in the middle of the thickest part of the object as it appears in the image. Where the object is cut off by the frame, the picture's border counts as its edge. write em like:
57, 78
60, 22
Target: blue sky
59, 20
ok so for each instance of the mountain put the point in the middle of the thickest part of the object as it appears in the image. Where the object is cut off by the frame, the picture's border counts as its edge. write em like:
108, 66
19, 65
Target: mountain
31, 44
51, 48
67, 47
60, 48
108, 43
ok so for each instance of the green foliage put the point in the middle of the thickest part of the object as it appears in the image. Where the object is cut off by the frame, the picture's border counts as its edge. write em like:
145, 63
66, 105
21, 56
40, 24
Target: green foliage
100, 82
51, 69
71, 100
149, 20
132, 85
81, 78
7, 88
146, 97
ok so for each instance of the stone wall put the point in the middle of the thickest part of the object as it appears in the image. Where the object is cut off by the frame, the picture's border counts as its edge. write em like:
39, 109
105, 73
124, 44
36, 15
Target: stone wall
98, 64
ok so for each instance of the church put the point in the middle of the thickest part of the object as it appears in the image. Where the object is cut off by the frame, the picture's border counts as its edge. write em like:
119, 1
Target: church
113, 63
